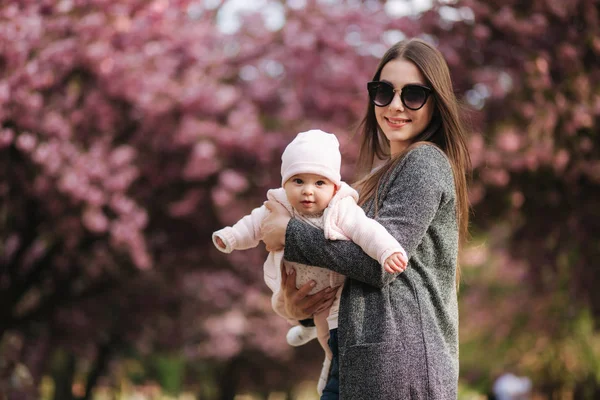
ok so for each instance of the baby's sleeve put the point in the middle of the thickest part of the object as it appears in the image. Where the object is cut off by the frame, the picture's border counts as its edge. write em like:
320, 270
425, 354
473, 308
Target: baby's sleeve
369, 234
245, 234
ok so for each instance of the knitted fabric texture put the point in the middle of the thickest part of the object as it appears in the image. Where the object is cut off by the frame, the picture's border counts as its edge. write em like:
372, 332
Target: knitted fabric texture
312, 152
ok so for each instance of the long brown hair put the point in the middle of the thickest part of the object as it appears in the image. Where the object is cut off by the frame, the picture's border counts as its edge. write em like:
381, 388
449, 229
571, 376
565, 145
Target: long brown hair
446, 130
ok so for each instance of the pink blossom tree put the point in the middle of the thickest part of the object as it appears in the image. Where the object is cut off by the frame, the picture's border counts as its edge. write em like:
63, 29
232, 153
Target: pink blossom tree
132, 130
533, 70
126, 142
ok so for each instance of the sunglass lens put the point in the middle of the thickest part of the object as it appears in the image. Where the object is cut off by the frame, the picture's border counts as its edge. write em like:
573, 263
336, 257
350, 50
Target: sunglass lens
381, 93
414, 97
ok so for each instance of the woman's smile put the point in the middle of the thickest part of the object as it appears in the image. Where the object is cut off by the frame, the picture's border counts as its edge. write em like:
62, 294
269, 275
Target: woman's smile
397, 123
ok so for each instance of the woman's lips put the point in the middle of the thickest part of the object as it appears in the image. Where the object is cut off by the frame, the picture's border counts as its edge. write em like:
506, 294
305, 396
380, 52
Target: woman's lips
397, 122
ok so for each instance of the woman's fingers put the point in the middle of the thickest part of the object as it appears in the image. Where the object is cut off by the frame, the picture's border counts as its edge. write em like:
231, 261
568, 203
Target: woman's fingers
304, 290
284, 276
274, 225
298, 302
292, 297
275, 207
318, 301
290, 281
325, 306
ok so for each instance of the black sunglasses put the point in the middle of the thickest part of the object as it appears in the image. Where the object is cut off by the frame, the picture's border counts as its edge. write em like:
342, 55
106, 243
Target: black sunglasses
413, 96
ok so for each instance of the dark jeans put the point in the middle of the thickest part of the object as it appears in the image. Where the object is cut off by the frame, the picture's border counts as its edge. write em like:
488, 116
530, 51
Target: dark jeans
332, 388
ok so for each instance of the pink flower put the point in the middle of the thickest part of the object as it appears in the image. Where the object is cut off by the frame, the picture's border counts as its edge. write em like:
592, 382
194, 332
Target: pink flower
122, 156
517, 199
95, 220
561, 159
496, 177
7, 136
221, 197
202, 162
233, 181
187, 205
509, 141
122, 204
26, 142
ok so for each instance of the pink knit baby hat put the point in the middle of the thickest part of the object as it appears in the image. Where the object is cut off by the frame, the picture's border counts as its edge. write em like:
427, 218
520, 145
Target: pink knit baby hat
312, 152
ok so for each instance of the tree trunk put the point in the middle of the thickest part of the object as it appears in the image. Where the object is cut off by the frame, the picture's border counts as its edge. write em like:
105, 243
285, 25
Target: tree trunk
63, 377
228, 383
104, 353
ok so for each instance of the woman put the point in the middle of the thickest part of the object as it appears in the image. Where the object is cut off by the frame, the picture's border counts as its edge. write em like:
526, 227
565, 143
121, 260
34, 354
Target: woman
397, 336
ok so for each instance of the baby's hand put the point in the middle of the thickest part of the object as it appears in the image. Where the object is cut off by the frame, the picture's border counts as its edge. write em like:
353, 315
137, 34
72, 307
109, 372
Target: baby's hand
397, 262
220, 242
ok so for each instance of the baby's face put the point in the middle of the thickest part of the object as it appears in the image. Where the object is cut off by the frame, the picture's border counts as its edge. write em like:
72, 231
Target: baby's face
309, 194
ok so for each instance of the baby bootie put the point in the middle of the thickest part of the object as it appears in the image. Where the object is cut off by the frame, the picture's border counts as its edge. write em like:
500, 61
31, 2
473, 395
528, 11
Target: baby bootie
299, 335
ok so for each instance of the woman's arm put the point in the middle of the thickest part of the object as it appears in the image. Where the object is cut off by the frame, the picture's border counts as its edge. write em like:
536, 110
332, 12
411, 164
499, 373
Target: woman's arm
417, 187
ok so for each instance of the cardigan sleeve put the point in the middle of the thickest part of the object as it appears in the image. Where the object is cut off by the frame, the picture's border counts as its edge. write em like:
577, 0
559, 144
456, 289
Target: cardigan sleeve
412, 197
369, 234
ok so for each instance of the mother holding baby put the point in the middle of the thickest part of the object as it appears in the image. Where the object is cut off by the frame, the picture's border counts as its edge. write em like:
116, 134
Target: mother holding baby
397, 336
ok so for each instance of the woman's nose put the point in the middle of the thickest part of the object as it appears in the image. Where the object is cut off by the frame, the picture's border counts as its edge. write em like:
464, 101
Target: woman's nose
396, 103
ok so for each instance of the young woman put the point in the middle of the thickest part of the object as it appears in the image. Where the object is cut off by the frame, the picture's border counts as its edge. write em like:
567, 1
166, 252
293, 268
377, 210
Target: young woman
397, 336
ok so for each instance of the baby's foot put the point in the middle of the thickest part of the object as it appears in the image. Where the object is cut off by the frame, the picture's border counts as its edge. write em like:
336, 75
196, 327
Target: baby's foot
324, 375
299, 335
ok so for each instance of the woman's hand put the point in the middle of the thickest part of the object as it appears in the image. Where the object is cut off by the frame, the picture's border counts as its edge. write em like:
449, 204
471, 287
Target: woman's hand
298, 303
274, 225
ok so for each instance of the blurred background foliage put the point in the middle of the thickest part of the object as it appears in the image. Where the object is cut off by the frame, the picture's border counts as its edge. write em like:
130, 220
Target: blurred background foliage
132, 129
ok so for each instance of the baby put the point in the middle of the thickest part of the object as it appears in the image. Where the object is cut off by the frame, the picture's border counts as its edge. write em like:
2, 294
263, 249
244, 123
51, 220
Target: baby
313, 191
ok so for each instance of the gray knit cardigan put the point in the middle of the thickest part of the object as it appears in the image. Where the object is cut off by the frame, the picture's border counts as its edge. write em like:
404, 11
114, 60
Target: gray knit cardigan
398, 334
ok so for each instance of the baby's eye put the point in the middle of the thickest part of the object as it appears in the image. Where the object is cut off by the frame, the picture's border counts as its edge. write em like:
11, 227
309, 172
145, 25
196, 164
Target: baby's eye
321, 183
298, 181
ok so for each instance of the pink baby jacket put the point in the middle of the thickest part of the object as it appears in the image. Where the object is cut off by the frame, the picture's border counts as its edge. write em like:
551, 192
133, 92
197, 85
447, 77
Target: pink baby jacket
343, 219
